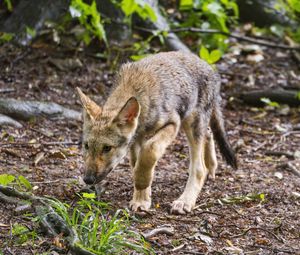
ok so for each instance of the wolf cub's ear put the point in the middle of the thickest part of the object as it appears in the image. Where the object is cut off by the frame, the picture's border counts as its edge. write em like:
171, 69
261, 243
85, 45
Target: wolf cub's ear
129, 113
92, 110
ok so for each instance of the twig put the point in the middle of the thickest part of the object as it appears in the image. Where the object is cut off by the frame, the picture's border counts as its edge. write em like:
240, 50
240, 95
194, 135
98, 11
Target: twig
236, 36
178, 247
46, 182
291, 167
161, 230
39, 143
8, 90
258, 228
192, 252
179, 219
280, 153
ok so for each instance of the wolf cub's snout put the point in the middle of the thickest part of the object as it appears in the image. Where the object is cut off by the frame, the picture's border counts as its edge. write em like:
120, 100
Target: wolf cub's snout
152, 100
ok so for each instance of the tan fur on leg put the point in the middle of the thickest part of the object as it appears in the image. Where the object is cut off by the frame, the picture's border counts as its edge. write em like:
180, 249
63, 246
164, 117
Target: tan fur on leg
210, 155
143, 171
197, 171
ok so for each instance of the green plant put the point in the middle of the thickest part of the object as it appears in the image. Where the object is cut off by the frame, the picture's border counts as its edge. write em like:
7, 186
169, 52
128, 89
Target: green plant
5, 37
290, 7
210, 57
89, 18
99, 231
22, 233
209, 14
268, 102
8, 5
140, 7
20, 181
243, 199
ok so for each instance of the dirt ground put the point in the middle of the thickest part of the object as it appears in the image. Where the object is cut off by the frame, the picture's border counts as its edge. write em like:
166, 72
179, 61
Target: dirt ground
230, 217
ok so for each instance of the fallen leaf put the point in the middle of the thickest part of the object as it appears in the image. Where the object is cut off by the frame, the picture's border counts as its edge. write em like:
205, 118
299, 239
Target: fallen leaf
57, 155
38, 158
234, 250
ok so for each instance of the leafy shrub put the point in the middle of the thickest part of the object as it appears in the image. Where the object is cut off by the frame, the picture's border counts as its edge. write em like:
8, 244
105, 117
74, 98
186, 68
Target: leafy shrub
90, 18
210, 14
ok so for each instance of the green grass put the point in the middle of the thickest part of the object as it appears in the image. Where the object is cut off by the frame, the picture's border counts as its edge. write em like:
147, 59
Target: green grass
98, 230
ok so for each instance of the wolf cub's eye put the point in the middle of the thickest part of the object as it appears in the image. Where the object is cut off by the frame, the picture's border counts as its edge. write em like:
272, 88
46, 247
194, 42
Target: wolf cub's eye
86, 146
106, 149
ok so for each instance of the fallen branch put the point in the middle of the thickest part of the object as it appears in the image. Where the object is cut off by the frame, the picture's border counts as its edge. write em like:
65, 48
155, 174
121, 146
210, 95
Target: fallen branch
161, 230
26, 110
290, 167
39, 143
280, 153
258, 228
280, 96
236, 36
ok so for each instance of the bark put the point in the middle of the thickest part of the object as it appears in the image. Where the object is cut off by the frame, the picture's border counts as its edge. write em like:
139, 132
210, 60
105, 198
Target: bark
172, 40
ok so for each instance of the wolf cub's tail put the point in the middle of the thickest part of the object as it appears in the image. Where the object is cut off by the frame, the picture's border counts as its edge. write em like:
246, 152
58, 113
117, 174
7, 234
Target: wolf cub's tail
217, 126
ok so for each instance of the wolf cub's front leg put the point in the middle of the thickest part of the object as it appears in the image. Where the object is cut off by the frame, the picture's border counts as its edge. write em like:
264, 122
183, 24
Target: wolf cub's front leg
150, 152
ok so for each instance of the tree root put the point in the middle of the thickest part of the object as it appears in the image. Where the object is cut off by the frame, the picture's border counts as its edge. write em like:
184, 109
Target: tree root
26, 110
7, 121
52, 223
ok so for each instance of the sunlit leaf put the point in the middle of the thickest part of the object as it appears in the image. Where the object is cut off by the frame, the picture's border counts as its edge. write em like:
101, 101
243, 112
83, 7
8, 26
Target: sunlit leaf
214, 56
6, 179
204, 53
25, 182
186, 4
89, 195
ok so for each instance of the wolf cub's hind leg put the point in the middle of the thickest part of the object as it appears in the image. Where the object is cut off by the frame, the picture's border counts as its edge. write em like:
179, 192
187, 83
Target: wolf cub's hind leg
195, 129
150, 152
210, 155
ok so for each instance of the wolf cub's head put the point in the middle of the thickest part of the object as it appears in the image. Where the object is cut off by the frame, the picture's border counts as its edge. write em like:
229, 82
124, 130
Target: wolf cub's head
106, 136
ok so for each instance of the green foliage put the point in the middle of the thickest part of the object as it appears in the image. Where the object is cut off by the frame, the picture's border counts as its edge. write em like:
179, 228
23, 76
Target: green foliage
243, 199
291, 7
8, 5
5, 37
89, 18
268, 102
210, 14
140, 7
210, 57
6, 179
21, 181
22, 233
99, 231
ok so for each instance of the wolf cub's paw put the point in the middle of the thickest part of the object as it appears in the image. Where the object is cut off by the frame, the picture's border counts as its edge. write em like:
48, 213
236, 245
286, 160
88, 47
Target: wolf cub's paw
142, 205
181, 207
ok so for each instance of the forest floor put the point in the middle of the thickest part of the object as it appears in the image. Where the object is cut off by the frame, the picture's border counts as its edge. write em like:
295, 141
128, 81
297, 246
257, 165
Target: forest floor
252, 210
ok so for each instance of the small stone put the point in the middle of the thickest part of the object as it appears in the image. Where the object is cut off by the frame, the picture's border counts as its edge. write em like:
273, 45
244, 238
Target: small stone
279, 175
296, 194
